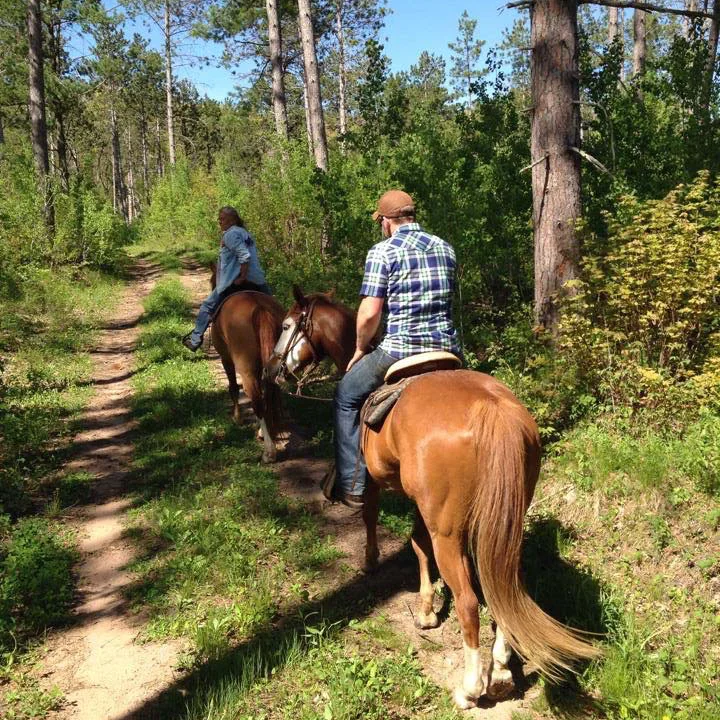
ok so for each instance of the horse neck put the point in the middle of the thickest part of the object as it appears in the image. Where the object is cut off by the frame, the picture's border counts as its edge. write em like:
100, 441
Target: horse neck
337, 324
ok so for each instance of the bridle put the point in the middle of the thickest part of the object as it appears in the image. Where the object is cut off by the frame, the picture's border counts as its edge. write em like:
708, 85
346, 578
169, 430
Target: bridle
303, 330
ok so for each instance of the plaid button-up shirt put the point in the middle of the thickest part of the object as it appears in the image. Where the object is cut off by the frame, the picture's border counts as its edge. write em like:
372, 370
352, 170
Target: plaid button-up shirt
415, 273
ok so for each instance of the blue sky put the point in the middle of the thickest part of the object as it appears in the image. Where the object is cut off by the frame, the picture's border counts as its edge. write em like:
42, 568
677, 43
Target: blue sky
411, 27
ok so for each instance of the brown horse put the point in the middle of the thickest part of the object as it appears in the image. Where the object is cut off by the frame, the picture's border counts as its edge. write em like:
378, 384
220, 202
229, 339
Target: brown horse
245, 331
467, 452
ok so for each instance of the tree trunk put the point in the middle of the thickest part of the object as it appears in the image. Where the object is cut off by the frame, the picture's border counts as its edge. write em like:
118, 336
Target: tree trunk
278, 83
342, 102
2, 131
712, 53
36, 108
690, 5
62, 151
168, 85
61, 147
145, 160
640, 44
613, 24
159, 167
308, 127
556, 169
312, 84
119, 194
616, 34
132, 201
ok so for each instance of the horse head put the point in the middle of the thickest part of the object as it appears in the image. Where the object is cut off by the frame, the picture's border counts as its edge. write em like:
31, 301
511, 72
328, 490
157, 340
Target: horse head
314, 327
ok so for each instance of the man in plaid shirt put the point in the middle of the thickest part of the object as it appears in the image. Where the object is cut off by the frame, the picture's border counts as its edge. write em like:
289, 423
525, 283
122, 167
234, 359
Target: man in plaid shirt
412, 274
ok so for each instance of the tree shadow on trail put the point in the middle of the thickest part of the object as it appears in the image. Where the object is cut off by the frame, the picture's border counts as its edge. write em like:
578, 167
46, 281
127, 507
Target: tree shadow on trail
274, 646
570, 594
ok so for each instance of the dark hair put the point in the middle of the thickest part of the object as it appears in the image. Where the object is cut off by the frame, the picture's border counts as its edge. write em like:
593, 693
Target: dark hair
233, 213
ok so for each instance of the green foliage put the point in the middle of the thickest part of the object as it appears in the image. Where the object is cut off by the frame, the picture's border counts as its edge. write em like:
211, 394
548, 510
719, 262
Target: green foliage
36, 582
182, 217
87, 230
641, 328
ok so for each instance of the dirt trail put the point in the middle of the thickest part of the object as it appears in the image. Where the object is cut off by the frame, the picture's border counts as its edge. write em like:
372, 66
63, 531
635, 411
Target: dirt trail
440, 650
97, 663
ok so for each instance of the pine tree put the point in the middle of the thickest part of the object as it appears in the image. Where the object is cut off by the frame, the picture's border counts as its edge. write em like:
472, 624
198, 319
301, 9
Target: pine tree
465, 70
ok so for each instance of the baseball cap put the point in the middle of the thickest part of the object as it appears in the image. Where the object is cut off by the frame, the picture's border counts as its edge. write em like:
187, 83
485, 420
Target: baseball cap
394, 204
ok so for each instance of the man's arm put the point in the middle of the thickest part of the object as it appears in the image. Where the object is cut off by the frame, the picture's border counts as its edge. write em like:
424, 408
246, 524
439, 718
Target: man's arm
368, 321
235, 241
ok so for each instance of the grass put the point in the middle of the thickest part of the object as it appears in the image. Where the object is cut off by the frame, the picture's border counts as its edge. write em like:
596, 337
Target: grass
645, 509
623, 540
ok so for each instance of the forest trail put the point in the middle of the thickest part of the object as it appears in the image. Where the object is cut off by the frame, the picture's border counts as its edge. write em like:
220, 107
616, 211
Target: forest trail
102, 671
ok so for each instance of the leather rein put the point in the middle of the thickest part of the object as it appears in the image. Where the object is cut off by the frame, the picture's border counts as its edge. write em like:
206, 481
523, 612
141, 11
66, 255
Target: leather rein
303, 331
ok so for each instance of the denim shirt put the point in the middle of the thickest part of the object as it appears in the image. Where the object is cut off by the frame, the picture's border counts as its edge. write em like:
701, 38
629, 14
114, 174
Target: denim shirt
238, 248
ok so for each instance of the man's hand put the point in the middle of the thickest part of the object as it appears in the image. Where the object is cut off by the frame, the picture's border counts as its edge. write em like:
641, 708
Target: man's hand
357, 356
368, 321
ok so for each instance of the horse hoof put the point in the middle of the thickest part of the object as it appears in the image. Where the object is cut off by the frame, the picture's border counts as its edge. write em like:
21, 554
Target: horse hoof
269, 458
501, 684
463, 700
426, 622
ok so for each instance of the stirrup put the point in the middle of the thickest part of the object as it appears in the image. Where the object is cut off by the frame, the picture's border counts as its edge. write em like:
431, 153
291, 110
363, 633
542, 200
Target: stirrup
328, 482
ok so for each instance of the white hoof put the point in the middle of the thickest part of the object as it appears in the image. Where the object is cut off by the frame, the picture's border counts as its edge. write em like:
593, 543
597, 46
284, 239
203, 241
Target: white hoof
463, 700
426, 622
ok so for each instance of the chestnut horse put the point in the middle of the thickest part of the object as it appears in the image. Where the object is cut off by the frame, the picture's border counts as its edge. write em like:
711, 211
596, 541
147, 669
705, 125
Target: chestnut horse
467, 452
244, 332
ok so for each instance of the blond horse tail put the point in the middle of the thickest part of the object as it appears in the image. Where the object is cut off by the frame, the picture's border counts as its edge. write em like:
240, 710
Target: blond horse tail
508, 450
267, 330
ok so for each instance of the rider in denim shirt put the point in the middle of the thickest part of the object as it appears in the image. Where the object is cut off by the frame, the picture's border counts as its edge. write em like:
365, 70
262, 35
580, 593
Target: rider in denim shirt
238, 269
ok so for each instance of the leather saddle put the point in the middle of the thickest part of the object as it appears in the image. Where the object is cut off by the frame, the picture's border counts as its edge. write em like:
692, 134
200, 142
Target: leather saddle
398, 377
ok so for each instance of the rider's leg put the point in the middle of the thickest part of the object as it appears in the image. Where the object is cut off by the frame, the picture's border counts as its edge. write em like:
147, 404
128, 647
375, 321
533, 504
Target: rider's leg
207, 308
350, 395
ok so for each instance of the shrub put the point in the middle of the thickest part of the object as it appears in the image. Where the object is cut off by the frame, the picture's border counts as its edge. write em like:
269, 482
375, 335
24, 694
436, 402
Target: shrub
642, 327
36, 583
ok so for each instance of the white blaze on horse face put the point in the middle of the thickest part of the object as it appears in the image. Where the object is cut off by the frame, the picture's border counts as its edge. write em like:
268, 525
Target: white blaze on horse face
281, 347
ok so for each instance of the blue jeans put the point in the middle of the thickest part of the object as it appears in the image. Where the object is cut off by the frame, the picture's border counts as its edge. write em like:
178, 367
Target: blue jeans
352, 391
211, 303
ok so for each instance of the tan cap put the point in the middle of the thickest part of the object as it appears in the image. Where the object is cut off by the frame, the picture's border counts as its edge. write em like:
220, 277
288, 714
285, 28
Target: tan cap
394, 204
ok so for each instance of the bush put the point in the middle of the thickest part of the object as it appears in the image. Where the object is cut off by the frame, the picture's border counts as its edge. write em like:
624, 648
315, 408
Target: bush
36, 583
642, 326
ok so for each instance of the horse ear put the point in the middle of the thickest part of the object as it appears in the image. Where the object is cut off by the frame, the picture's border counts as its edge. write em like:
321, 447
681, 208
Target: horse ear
300, 299
330, 294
